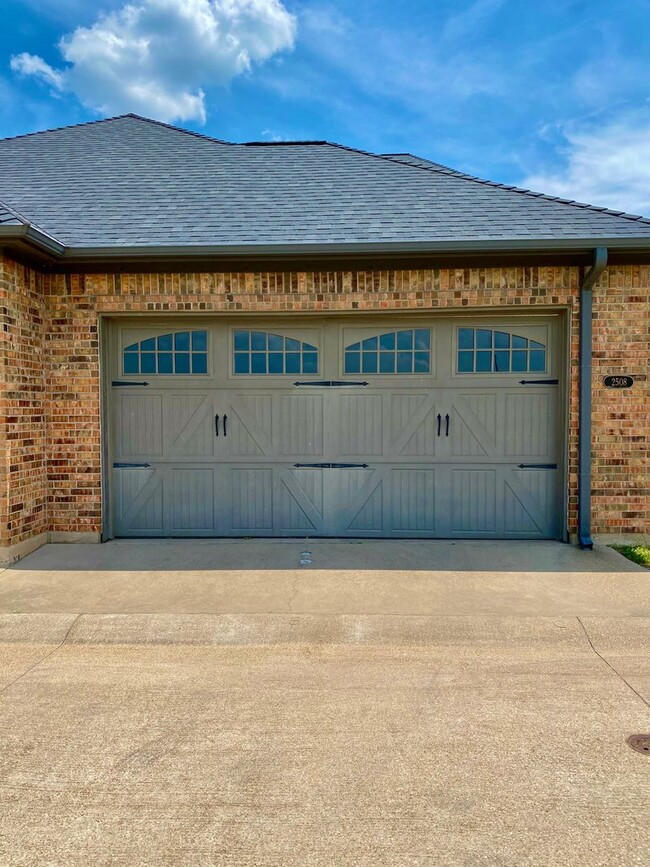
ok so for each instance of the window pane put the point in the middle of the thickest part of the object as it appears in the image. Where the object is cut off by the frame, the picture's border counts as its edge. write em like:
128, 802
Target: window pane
199, 362
242, 339
134, 347
258, 340
537, 360
165, 343
148, 362
131, 362
483, 339
182, 362
502, 362
533, 344
148, 345
199, 341
242, 362
370, 343
405, 340
275, 361
291, 345
519, 342
307, 347
182, 342
353, 347
422, 338
422, 362
258, 361
519, 361
501, 340
465, 362
276, 343
309, 362
292, 362
387, 341
165, 362
405, 362
369, 363
483, 362
353, 362
387, 362
466, 338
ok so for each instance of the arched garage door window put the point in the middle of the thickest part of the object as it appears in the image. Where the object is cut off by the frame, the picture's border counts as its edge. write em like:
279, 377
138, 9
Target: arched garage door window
261, 353
482, 350
178, 353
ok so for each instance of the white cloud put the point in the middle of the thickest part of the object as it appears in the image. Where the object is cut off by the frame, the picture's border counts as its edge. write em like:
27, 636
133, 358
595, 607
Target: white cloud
30, 64
609, 166
155, 57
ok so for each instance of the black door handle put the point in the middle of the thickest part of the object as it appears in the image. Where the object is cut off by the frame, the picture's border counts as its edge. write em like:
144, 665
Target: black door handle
216, 425
447, 425
439, 423
225, 429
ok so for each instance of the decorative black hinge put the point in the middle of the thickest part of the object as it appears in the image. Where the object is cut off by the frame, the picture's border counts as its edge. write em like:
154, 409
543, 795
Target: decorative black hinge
124, 382
331, 383
537, 466
332, 466
131, 466
538, 381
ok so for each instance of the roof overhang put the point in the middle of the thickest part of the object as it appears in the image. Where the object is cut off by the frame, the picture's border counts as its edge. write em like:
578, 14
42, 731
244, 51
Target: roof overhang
30, 243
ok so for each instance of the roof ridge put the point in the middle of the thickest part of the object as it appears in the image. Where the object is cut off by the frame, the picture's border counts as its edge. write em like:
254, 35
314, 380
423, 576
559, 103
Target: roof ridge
438, 167
113, 118
265, 144
14, 213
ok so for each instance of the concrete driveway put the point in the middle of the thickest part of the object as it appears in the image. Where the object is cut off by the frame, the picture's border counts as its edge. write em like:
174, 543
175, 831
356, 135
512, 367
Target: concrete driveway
387, 703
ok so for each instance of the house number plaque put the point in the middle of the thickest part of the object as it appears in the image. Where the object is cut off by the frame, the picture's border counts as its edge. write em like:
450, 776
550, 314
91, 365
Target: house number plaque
618, 381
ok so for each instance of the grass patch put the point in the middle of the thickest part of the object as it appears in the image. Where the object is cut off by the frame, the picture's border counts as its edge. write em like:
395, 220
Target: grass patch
638, 553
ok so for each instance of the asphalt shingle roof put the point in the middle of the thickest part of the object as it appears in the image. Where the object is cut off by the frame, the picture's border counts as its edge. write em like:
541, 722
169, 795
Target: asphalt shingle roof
8, 217
131, 182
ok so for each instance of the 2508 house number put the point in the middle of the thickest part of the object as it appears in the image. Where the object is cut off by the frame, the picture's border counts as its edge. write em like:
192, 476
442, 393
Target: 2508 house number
618, 381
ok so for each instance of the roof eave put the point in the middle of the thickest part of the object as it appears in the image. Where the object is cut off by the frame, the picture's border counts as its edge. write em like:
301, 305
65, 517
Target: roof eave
383, 248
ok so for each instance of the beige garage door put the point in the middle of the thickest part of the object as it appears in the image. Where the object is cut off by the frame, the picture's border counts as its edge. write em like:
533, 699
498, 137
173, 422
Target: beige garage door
340, 427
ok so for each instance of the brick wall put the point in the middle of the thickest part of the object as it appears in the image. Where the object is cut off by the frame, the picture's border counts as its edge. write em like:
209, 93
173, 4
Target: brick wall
71, 305
23, 477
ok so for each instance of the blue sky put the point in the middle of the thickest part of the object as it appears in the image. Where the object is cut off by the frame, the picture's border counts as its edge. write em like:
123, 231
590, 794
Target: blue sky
554, 96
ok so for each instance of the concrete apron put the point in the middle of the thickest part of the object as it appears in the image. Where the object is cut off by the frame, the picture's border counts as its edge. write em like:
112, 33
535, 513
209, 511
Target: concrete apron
326, 577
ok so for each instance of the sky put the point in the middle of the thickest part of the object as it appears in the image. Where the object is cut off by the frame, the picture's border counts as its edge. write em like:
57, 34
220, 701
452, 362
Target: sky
551, 96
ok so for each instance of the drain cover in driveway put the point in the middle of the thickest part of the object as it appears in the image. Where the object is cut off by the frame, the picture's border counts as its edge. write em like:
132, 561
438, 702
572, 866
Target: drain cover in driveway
640, 743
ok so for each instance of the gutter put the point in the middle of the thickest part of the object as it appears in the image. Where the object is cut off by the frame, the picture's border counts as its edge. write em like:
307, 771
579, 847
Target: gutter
345, 248
584, 400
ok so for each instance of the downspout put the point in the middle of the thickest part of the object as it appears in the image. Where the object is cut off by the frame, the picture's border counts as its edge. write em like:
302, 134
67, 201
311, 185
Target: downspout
584, 404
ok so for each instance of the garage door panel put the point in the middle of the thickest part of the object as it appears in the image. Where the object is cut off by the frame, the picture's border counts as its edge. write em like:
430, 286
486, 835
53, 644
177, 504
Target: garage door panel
359, 428
140, 425
190, 425
139, 501
358, 499
250, 504
529, 425
301, 501
413, 425
530, 502
300, 425
249, 426
191, 493
473, 425
473, 498
412, 501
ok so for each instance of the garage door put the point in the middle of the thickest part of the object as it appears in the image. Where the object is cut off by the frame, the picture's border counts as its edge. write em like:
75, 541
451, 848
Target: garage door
423, 427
